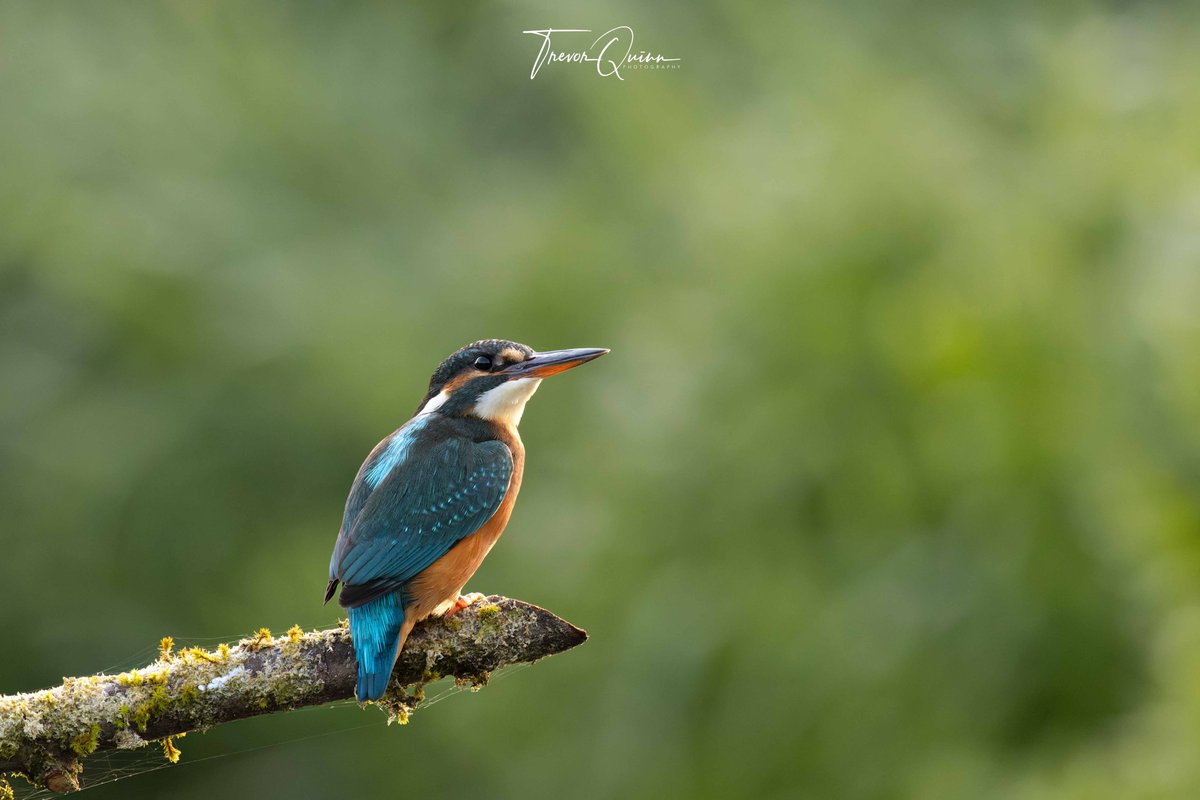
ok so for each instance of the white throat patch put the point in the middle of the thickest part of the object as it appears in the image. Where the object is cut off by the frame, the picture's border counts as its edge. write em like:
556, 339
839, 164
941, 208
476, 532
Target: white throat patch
506, 403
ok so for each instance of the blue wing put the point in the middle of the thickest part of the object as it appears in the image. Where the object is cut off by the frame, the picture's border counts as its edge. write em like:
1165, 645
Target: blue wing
425, 499
381, 460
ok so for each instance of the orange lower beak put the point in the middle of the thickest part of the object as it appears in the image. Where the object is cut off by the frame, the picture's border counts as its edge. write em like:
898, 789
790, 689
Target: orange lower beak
543, 365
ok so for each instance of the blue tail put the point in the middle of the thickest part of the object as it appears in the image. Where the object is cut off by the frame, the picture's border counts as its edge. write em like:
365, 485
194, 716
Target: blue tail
375, 629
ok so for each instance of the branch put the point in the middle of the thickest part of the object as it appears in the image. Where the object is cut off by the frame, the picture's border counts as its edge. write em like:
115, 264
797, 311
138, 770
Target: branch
46, 735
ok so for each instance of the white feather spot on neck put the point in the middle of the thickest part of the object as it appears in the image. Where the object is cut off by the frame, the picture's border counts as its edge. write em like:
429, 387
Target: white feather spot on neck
435, 402
506, 403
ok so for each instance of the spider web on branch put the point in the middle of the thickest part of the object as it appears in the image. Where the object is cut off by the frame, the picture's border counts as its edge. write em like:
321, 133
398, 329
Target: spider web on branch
109, 766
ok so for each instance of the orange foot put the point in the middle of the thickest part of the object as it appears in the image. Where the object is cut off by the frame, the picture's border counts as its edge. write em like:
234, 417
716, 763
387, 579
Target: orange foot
463, 601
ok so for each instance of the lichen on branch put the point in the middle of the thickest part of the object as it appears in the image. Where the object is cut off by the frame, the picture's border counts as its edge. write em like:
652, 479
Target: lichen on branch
46, 736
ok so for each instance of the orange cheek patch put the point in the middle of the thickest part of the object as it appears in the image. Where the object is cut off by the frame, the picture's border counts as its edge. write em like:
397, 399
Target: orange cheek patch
457, 382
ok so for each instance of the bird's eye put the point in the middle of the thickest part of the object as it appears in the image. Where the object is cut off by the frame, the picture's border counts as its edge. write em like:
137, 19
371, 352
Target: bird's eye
483, 363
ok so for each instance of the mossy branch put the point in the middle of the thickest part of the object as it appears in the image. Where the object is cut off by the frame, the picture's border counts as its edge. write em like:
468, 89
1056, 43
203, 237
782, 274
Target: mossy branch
46, 736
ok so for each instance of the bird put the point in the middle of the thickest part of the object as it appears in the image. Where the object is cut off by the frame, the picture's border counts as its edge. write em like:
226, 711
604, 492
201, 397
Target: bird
432, 498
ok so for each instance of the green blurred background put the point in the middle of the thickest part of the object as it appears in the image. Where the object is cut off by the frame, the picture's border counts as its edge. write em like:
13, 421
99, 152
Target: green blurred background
889, 488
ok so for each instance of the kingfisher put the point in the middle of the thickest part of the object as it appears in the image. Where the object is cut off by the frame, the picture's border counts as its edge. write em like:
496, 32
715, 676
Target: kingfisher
433, 497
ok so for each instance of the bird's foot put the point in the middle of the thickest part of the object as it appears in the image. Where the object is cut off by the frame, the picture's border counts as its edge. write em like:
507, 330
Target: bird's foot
463, 601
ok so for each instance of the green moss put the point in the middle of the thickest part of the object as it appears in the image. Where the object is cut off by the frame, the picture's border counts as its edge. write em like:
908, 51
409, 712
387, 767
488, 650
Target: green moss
170, 750
8, 749
397, 706
400, 701
86, 743
188, 694
261, 639
491, 622
195, 655
158, 702
475, 682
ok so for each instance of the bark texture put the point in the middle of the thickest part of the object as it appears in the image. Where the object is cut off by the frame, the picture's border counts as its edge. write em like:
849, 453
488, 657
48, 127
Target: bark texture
46, 736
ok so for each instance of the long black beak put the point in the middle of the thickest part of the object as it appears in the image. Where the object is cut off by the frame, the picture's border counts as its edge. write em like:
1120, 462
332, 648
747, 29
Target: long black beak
552, 362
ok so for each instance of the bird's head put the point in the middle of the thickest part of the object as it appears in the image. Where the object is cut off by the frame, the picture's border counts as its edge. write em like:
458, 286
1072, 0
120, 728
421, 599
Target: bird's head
492, 379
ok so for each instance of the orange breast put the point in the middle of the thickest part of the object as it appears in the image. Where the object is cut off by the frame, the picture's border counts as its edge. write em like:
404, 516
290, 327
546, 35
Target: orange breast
441, 582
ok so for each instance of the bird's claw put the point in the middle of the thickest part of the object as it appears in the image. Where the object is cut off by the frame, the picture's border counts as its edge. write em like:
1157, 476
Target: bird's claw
463, 601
